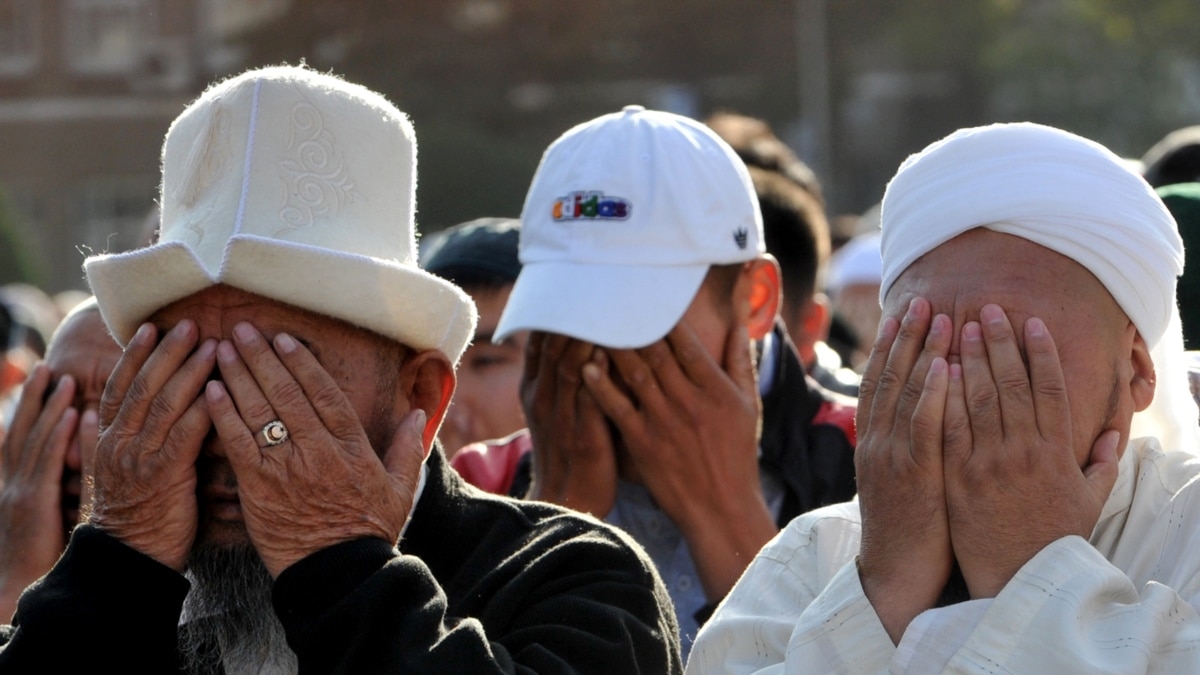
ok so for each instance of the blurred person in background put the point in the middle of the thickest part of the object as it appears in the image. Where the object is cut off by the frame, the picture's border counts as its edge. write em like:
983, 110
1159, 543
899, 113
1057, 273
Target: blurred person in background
27, 317
796, 233
1173, 159
480, 257
52, 438
855, 272
484, 433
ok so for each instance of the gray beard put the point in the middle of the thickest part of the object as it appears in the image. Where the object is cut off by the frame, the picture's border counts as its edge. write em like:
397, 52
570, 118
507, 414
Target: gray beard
229, 607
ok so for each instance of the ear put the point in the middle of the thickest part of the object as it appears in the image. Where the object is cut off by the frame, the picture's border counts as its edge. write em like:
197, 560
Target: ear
1142, 383
428, 381
809, 325
765, 292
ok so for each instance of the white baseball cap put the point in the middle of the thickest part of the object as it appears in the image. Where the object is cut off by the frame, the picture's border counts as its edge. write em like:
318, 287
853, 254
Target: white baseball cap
624, 217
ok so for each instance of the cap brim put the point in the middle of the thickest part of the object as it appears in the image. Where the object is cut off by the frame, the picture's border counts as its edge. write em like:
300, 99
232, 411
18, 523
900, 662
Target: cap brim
614, 306
401, 302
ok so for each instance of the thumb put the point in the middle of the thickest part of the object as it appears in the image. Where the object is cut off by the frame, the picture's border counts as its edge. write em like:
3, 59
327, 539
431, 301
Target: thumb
739, 363
1101, 471
406, 452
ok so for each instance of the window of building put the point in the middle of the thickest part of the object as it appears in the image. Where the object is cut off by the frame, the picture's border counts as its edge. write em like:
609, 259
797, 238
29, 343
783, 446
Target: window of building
20, 32
105, 37
113, 210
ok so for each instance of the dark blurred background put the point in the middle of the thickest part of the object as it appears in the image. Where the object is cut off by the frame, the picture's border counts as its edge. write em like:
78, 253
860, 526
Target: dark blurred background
88, 87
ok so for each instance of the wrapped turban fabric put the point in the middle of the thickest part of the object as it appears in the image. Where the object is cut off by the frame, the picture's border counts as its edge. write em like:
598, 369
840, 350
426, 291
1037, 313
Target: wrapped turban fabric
1072, 196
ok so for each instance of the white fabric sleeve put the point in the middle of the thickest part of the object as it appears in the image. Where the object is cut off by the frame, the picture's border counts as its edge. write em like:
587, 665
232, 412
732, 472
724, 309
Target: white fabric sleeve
774, 621
1069, 610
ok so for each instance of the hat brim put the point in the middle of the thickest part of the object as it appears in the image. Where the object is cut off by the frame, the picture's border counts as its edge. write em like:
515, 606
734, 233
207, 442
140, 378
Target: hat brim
614, 306
401, 302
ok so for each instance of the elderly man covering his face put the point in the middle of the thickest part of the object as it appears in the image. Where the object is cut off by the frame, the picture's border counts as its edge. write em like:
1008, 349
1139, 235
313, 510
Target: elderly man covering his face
267, 495
1023, 507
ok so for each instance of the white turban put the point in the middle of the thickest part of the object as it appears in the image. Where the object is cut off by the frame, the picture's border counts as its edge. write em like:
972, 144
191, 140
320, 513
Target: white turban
1072, 196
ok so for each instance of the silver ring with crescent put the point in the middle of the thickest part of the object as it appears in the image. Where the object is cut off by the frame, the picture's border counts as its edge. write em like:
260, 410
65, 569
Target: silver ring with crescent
274, 433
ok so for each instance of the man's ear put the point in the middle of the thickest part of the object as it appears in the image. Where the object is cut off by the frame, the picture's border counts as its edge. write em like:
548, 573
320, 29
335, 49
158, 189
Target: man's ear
1142, 383
763, 276
428, 381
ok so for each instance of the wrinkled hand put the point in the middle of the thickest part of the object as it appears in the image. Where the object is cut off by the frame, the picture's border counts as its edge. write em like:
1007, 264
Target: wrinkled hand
325, 484
32, 458
691, 429
905, 558
152, 424
1013, 484
574, 464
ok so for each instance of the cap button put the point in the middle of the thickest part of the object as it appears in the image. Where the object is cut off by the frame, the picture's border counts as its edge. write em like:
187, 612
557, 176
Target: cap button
630, 109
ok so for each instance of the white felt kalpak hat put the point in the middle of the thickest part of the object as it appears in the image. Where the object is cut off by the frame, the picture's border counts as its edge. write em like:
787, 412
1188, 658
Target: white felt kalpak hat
298, 187
624, 217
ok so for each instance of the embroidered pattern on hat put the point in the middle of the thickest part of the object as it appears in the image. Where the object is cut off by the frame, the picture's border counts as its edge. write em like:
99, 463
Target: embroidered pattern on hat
317, 183
741, 237
591, 205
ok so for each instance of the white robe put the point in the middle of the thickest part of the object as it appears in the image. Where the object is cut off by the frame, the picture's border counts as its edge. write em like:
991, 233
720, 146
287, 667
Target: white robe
1125, 602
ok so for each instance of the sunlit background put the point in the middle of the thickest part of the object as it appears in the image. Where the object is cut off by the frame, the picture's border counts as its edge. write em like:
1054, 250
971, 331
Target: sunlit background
88, 87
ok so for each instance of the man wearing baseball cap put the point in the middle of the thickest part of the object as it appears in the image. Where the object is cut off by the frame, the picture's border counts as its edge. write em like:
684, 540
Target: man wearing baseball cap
648, 292
267, 493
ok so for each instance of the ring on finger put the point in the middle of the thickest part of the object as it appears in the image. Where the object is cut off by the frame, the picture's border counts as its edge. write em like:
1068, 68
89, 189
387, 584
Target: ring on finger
274, 433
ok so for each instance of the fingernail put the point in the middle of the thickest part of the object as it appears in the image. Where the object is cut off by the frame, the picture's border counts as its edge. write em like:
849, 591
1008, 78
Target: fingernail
244, 332
214, 391
421, 418
285, 343
956, 371
1035, 327
938, 366
887, 327
939, 324
912, 308
972, 331
590, 372
225, 352
183, 328
206, 348
143, 333
991, 314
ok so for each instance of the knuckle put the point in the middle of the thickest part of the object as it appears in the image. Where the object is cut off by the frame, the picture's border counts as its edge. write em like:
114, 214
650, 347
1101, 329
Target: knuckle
159, 412
139, 390
325, 398
888, 379
1054, 389
290, 393
1012, 383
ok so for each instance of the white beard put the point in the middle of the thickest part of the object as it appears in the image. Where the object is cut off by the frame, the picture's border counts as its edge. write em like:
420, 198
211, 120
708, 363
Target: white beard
230, 606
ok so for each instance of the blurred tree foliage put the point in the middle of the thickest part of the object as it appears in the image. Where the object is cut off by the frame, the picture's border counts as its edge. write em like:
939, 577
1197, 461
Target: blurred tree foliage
16, 256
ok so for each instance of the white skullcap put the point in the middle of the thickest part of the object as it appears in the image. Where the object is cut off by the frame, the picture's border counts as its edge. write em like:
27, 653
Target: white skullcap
1056, 189
1070, 195
855, 263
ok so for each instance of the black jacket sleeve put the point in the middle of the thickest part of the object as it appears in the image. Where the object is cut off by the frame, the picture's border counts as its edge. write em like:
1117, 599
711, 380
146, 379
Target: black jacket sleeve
104, 607
571, 602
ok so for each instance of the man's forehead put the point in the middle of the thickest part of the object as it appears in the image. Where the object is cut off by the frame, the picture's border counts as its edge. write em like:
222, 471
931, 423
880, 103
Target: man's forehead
225, 305
986, 262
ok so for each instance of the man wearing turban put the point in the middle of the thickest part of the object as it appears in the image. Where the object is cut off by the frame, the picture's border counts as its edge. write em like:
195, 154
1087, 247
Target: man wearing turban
1027, 500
